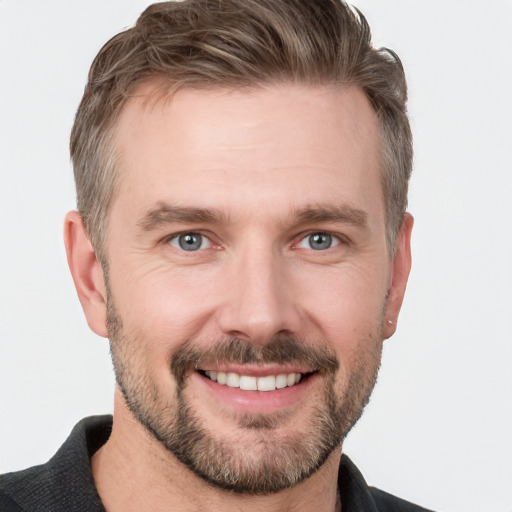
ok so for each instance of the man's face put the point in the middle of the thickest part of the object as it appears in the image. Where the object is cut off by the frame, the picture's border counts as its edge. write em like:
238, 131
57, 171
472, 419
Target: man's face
247, 249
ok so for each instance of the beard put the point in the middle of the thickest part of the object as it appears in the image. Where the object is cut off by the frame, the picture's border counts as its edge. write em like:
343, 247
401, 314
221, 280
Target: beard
259, 458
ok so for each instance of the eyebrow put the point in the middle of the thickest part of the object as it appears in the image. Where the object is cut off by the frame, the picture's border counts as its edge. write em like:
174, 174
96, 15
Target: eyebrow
344, 213
166, 214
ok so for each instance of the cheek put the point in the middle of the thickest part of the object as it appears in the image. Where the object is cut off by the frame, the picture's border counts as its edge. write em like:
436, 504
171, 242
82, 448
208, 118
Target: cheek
164, 305
345, 302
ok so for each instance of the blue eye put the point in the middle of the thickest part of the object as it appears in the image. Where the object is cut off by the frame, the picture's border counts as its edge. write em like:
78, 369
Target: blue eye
319, 241
190, 242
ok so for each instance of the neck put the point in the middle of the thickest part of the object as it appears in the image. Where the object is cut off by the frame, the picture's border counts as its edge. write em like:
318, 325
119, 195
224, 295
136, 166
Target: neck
133, 471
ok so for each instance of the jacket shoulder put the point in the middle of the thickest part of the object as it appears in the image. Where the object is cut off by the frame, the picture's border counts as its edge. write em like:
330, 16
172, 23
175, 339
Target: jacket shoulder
20, 484
65, 483
8, 505
388, 503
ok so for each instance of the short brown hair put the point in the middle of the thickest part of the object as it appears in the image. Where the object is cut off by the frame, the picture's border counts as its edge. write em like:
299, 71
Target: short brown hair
237, 43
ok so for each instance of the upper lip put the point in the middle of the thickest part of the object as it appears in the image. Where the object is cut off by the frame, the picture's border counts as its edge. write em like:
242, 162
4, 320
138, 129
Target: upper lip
255, 370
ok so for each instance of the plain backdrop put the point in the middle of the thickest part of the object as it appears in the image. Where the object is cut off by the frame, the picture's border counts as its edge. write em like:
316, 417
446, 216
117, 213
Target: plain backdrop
438, 430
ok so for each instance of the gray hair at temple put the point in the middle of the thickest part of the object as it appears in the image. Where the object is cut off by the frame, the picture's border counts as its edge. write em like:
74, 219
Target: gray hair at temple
238, 44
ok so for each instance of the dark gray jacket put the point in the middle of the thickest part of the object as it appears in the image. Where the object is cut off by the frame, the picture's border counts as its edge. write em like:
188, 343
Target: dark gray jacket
65, 482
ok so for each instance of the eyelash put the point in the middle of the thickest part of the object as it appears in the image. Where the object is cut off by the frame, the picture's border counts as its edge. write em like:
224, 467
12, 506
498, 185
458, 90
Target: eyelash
176, 238
335, 240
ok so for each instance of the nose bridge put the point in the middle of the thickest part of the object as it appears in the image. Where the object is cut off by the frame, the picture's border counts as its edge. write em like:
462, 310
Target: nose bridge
258, 303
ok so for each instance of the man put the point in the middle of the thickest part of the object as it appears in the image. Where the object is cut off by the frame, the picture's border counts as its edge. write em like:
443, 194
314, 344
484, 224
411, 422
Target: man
242, 240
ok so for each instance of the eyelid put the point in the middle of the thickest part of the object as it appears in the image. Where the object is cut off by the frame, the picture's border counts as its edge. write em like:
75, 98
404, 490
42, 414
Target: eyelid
175, 236
336, 237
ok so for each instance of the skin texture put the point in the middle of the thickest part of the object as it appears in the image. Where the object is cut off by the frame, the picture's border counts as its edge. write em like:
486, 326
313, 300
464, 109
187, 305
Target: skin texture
255, 174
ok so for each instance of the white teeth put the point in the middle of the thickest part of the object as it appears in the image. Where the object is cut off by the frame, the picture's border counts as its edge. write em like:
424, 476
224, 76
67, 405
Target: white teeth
281, 381
233, 380
249, 383
267, 383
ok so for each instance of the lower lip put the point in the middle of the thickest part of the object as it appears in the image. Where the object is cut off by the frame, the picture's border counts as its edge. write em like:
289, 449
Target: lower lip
257, 401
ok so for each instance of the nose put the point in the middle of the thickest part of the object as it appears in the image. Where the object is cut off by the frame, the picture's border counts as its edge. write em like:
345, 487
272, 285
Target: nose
259, 298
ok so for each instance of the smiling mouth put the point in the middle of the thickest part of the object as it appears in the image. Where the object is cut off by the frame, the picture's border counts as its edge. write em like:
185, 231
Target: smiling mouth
252, 383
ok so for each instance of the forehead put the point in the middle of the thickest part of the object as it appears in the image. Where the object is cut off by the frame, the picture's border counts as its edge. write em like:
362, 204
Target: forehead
220, 144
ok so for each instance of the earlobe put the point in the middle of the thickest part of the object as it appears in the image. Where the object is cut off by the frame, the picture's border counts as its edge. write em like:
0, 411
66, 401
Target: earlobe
87, 273
400, 268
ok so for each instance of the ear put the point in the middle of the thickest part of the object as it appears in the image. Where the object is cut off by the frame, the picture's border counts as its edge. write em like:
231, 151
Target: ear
87, 273
400, 267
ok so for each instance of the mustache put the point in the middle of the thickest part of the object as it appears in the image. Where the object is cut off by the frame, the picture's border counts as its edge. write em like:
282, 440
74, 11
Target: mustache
282, 350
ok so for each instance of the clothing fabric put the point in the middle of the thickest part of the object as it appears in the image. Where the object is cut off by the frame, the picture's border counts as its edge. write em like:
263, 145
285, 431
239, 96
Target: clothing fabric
65, 482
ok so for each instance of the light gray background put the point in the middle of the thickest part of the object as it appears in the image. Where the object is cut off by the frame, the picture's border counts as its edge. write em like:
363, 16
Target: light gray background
439, 428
